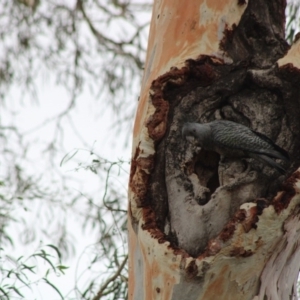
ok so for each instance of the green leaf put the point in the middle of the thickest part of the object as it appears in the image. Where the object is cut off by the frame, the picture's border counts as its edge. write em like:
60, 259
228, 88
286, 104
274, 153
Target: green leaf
62, 268
30, 268
3, 294
17, 291
56, 250
47, 273
44, 255
19, 277
54, 287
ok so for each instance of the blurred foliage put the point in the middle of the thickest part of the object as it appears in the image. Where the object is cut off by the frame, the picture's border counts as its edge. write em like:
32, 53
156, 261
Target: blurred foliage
19, 274
86, 45
94, 45
104, 271
292, 20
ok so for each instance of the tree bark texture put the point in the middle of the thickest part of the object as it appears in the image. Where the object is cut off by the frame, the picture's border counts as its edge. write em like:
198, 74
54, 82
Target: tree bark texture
198, 228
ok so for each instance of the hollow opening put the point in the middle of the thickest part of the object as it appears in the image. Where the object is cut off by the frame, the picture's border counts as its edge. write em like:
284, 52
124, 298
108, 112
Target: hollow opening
206, 168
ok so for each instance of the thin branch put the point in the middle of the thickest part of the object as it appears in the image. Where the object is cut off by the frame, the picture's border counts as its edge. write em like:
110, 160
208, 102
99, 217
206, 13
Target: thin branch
111, 279
105, 40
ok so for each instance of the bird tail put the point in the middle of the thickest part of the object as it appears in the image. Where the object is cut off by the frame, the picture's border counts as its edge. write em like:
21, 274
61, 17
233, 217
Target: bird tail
277, 151
276, 154
270, 162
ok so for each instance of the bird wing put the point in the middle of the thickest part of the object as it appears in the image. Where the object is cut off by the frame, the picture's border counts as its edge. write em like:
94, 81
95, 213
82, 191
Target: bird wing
283, 154
236, 136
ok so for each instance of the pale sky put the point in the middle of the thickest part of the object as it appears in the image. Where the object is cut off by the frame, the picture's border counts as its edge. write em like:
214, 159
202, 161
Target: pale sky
92, 120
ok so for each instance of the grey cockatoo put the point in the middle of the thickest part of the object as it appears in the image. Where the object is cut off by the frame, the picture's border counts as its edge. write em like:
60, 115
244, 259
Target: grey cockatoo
231, 139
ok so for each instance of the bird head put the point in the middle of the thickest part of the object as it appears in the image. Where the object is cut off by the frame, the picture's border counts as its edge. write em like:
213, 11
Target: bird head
196, 132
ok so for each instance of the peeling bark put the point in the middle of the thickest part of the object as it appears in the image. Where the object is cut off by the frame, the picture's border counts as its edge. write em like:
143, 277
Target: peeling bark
208, 229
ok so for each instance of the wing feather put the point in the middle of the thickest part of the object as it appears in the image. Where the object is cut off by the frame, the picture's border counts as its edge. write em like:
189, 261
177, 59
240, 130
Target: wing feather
236, 136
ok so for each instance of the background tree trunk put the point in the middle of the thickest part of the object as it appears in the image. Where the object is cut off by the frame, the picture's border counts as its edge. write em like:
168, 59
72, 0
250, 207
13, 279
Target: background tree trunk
199, 229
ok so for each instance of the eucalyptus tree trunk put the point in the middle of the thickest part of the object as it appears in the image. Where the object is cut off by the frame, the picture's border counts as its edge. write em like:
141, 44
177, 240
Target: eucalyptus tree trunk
198, 228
